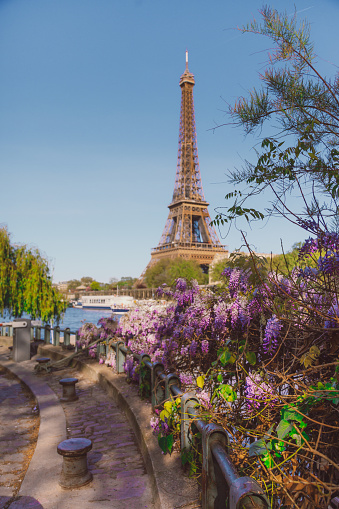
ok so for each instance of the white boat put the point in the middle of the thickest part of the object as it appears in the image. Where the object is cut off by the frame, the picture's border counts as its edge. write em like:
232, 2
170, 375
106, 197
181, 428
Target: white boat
117, 303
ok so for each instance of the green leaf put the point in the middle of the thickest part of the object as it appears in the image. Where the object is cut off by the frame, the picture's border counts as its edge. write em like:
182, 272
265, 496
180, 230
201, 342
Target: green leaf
251, 358
268, 460
283, 428
227, 392
226, 357
166, 443
290, 414
259, 447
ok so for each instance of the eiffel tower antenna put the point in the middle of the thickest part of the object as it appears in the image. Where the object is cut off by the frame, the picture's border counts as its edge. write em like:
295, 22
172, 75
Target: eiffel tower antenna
188, 232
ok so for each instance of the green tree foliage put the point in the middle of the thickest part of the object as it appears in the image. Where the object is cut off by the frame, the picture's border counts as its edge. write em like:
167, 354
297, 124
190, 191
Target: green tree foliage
286, 262
217, 268
303, 106
95, 286
25, 282
86, 280
167, 270
259, 266
73, 284
126, 282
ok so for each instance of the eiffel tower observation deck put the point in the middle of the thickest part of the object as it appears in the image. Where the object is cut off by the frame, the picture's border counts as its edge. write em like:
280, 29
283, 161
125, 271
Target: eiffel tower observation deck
188, 232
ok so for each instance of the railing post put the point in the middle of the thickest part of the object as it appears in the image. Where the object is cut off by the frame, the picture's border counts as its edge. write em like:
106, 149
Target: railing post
32, 333
101, 349
38, 332
77, 339
120, 357
214, 486
47, 334
56, 338
67, 336
10, 331
157, 389
246, 493
142, 358
171, 379
188, 400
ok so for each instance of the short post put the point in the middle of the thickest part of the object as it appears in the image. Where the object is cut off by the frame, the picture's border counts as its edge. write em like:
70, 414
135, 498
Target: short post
74, 471
68, 389
38, 332
21, 339
47, 334
67, 336
43, 363
56, 336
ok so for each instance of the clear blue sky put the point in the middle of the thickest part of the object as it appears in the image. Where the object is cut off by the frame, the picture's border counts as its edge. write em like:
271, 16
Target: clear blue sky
89, 120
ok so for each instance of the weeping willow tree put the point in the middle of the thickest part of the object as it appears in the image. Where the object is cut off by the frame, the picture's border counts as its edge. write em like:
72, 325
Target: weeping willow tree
25, 282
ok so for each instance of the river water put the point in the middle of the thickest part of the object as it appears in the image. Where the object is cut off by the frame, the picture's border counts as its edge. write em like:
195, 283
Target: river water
74, 318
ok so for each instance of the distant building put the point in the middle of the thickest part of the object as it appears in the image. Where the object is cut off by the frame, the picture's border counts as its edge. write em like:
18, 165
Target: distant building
62, 286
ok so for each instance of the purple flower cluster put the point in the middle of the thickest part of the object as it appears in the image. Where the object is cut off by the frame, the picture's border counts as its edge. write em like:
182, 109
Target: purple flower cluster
193, 348
309, 247
159, 426
272, 332
130, 369
258, 393
238, 281
333, 321
204, 346
309, 273
186, 379
309, 225
329, 263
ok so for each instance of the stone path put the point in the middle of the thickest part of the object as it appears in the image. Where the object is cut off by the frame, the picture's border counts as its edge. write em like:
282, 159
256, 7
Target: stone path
19, 427
119, 477
115, 461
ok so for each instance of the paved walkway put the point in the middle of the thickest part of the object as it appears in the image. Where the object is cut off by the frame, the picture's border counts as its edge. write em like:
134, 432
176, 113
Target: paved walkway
119, 477
19, 424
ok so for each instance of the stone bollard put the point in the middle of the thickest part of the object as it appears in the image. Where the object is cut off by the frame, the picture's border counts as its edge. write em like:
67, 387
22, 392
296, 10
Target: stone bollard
43, 363
74, 471
68, 389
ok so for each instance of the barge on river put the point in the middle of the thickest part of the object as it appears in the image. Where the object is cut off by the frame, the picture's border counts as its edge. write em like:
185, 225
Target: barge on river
116, 303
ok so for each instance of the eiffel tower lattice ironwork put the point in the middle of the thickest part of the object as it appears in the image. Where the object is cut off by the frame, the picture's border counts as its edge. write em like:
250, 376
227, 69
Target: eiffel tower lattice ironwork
188, 232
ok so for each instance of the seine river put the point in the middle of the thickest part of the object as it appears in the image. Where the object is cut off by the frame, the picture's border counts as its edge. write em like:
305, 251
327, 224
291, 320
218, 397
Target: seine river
74, 317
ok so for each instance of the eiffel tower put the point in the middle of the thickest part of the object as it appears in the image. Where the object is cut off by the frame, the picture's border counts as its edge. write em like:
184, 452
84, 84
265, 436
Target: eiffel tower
188, 232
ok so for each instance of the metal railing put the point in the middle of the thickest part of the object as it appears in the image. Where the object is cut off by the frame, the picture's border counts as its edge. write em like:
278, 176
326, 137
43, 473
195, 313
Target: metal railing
46, 333
222, 486
188, 245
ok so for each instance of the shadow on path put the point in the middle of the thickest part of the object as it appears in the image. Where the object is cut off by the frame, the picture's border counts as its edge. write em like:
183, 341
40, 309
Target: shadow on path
19, 503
